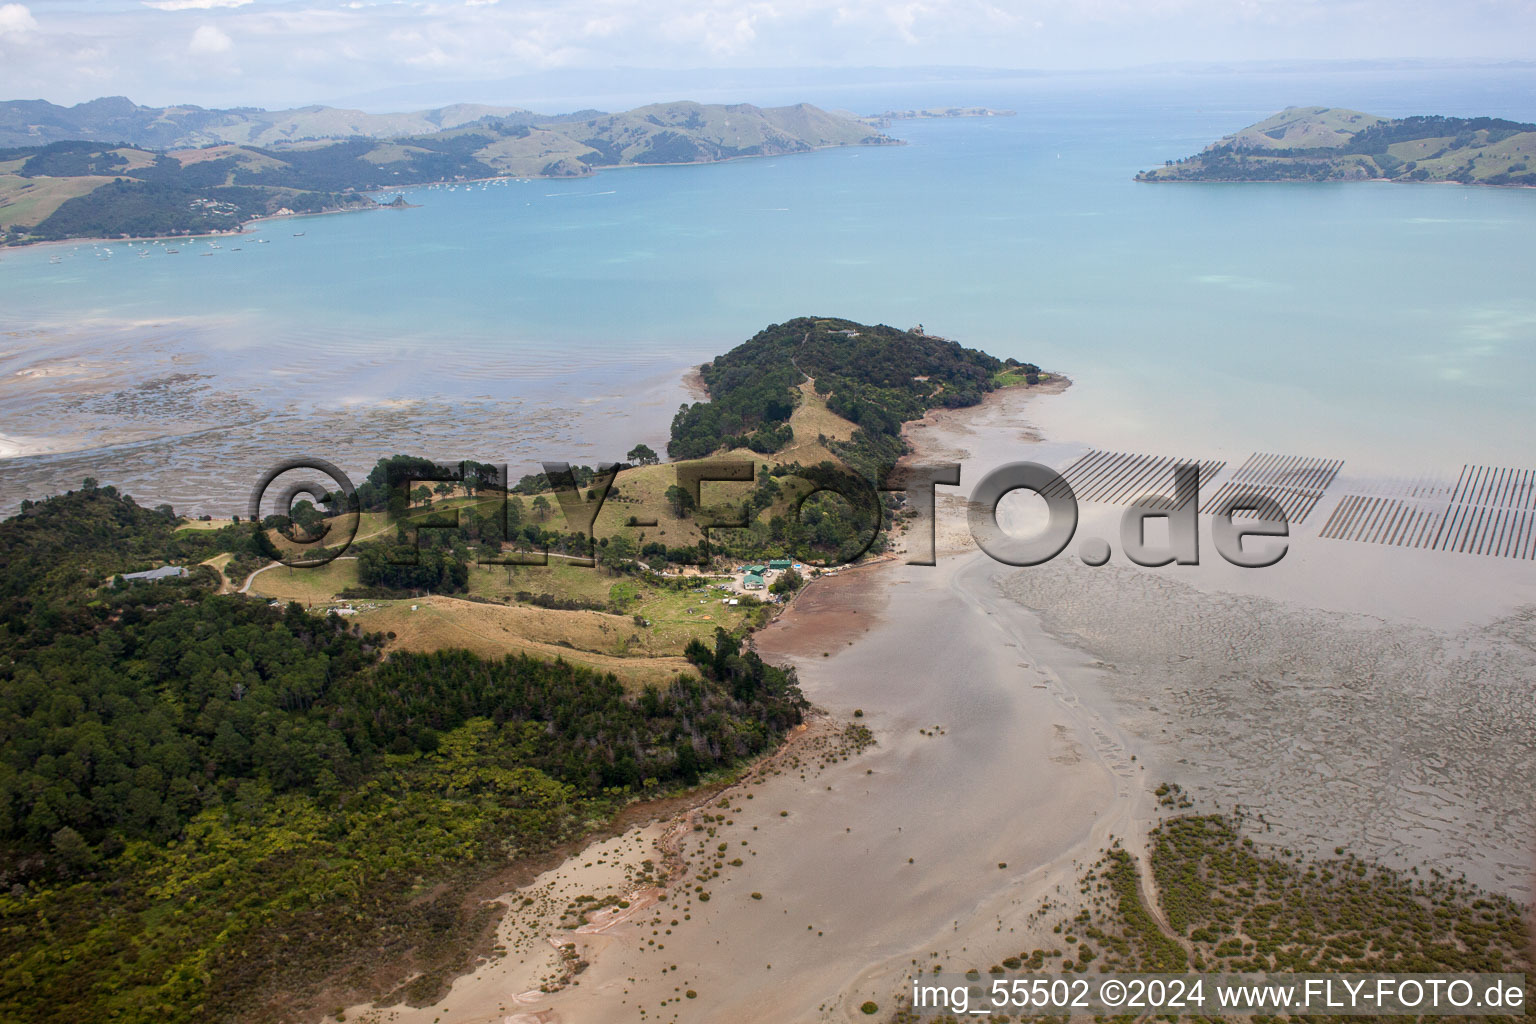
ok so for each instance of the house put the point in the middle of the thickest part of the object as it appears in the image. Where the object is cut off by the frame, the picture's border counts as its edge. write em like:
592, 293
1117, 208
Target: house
752, 582
165, 572
779, 564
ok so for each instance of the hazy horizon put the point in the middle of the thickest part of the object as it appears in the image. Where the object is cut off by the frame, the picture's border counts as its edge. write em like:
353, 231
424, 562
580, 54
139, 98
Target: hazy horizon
561, 92
271, 54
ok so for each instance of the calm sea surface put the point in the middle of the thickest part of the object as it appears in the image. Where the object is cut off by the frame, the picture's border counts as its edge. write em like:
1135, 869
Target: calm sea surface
1391, 325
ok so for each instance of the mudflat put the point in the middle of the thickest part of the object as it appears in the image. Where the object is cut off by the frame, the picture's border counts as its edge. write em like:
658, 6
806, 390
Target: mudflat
1021, 720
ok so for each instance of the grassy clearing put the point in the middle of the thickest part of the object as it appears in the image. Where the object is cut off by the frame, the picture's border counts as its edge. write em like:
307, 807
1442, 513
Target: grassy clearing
1437, 156
218, 561
490, 630
195, 525
674, 617
812, 418
628, 625
137, 159
530, 154
493, 624
29, 201
247, 158
1014, 376
307, 586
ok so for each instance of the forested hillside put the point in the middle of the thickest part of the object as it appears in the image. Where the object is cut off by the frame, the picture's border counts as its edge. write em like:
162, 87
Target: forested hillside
876, 377
207, 801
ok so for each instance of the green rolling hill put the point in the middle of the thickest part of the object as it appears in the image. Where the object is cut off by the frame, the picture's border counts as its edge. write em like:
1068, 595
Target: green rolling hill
76, 188
1334, 144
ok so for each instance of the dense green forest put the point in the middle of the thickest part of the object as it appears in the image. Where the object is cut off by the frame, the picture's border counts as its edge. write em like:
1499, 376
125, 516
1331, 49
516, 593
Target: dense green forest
877, 377
206, 800
135, 209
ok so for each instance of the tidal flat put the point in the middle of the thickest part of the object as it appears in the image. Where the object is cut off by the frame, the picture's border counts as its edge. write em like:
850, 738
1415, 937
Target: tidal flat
1019, 722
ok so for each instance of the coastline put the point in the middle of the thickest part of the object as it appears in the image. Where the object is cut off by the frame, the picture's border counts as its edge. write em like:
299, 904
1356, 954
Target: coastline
827, 840
1094, 686
656, 817
970, 675
1138, 178
234, 233
370, 193
693, 383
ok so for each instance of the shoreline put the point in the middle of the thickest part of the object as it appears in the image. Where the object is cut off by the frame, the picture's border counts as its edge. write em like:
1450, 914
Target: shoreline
1308, 181
693, 383
662, 812
967, 674
233, 233
400, 189
834, 930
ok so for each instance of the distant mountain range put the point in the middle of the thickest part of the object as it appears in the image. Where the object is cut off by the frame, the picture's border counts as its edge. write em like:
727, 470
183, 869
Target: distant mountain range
119, 119
1335, 144
110, 168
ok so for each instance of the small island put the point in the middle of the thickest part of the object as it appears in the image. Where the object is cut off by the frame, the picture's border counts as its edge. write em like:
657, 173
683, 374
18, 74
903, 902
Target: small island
1335, 144
932, 113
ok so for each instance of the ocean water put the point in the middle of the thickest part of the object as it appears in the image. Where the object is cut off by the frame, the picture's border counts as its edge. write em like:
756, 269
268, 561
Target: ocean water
1390, 325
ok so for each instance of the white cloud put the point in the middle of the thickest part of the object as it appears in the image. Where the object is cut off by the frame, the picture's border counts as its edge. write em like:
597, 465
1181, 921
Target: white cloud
208, 39
16, 20
314, 50
193, 5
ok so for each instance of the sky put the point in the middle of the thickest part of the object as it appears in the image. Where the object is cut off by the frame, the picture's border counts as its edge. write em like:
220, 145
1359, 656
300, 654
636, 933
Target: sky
277, 53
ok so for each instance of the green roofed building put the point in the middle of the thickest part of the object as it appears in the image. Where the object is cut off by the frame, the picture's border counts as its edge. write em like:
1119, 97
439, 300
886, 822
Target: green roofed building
755, 570
752, 582
779, 564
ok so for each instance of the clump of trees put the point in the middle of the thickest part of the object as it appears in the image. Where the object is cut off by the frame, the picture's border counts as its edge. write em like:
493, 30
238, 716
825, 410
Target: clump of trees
400, 567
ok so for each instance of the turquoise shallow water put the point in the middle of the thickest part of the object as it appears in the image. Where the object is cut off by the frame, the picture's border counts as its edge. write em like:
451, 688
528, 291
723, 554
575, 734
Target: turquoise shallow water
1394, 326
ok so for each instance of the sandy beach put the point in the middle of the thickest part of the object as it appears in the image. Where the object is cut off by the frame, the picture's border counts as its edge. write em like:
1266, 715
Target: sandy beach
1021, 719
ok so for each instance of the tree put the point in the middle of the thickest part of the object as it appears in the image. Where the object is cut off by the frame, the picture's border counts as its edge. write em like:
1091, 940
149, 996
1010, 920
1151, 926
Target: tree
72, 848
788, 582
308, 518
422, 495
541, 507
680, 500
643, 455
442, 490
617, 552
